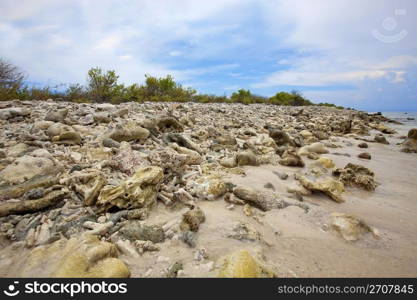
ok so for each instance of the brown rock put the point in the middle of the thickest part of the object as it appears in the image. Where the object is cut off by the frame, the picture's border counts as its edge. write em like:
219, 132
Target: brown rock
364, 155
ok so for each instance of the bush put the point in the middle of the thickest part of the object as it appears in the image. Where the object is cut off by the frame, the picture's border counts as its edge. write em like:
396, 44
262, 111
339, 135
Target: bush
102, 87
293, 99
166, 89
11, 80
330, 105
76, 93
242, 96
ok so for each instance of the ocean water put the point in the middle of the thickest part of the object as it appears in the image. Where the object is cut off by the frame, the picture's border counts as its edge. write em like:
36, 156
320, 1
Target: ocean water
404, 117
407, 118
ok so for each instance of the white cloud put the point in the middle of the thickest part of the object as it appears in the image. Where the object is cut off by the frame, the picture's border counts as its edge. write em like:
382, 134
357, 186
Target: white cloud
333, 43
45, 37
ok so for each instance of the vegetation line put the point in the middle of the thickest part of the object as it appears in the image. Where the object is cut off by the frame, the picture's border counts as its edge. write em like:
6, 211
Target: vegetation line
103, 87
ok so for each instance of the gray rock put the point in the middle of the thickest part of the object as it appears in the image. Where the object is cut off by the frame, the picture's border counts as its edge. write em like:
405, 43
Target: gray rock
136, 230
108, 142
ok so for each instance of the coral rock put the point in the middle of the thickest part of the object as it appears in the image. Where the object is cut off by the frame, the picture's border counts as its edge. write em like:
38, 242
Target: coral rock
138, 191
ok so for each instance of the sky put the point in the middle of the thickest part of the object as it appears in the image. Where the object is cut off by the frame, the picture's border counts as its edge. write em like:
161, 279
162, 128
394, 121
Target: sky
355, 53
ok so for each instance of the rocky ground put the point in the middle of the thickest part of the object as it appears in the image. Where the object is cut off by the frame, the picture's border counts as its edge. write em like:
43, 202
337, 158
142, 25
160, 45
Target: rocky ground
204, 190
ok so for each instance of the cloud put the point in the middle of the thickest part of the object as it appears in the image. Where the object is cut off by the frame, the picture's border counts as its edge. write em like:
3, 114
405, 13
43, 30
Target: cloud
332, 45
47, 37
324, 48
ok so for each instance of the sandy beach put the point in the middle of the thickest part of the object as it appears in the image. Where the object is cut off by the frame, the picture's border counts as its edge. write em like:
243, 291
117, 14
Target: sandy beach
193, 218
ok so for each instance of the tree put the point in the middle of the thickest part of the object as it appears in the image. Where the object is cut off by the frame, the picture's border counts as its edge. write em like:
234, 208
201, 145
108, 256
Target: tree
11, 80
102, 87
242, 96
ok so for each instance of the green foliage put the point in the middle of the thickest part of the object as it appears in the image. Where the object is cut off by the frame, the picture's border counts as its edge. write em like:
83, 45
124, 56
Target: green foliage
133, 93
166, 89
102, 87
241, 96
293, 99
76, 93
330, 105
29, 93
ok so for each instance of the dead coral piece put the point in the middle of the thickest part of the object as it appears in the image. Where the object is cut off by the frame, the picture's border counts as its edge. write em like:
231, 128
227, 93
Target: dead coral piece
85, 256
410, 144
350, 227
88, 184
246, 158
129, 132
241, 264
329, 186
257, 198
356, 175
27, 167
244, 232
67, 138
182, 141
168, 124
192, 219
17, 190
138, 191
290, 158
27, 206
137, 230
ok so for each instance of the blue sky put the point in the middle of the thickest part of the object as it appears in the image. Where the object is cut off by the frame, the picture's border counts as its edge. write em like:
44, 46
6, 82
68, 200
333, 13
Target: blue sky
361, 54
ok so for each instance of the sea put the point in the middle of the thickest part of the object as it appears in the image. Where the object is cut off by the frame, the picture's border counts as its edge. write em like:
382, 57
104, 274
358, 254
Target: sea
407, 118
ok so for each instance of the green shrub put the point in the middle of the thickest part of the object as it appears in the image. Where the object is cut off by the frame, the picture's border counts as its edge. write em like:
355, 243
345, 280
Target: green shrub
102, 87
166, 89
293, 99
